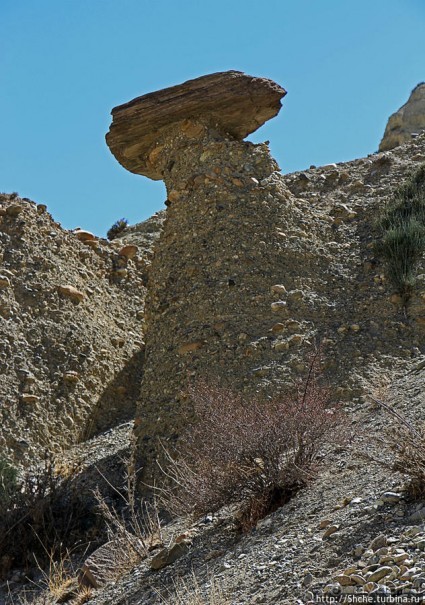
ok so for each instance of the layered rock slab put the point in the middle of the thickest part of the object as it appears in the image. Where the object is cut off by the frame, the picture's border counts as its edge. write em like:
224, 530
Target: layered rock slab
237, 102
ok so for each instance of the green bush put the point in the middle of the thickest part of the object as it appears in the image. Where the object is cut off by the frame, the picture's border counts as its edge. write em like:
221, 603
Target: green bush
402, 226
116, 228
8, 482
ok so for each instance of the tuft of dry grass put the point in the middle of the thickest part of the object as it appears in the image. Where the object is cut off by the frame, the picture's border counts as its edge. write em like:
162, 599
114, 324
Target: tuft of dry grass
190, 593
255, 452
84, 595
407, 443
136, 529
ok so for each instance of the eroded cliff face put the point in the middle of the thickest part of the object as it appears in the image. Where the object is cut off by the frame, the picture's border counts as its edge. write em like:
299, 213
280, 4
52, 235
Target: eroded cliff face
70, 332
254, 267
407, 121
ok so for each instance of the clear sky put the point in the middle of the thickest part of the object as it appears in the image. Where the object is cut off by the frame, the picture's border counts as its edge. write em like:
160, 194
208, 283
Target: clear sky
347, 65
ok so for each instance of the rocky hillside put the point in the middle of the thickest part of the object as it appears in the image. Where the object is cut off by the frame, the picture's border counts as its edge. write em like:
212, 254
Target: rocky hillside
253, 267
236, 281
71, 342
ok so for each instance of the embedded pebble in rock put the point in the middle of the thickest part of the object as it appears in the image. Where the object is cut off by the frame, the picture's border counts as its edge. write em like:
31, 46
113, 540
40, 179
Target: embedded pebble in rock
128, 251
72, 293
84, 236
13, 210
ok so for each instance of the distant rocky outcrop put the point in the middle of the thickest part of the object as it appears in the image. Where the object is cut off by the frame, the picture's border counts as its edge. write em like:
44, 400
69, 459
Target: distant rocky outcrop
408, 121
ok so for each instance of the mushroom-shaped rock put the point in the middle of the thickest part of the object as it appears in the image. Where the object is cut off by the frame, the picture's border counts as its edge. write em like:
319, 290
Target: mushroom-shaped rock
231, 101
210, 276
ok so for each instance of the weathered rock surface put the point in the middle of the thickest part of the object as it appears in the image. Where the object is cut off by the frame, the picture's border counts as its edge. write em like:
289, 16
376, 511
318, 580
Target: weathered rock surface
234, 102
407, 121
106, 563
253, 267
71, 343
250, 268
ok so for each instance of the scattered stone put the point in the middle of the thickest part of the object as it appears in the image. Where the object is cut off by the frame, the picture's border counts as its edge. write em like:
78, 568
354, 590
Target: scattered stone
71, 293
391, 498
4, 282
278, 289
280, 307
331, 530
378, 542
167, 556
324, 523
380, 573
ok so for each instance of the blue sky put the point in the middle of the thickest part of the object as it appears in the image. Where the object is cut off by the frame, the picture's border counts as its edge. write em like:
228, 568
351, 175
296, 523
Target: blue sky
65, 63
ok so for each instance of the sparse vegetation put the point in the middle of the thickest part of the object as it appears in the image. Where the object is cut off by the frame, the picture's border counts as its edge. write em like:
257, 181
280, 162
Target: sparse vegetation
41, 514
190, 593
407, 443
8, 481
117, 228
256, 453
136, 527
402, 242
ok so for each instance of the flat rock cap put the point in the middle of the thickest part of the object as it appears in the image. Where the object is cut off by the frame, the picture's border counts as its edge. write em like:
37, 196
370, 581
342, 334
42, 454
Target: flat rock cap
236, 102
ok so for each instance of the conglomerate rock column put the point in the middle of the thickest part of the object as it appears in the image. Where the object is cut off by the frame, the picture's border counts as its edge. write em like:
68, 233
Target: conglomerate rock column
209, 275
209, 290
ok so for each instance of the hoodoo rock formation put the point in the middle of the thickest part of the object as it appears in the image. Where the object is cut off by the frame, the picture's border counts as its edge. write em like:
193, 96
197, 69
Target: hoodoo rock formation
252, 267
209, 280
406, 122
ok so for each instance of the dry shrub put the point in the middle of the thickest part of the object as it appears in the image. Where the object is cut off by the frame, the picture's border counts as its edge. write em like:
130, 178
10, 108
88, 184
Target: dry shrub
117, 228
60, 580
44, 512
407, 443
257, 452
136, 527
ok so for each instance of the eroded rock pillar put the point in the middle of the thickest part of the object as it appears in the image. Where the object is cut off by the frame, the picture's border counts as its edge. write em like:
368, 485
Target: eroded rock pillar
209, 289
